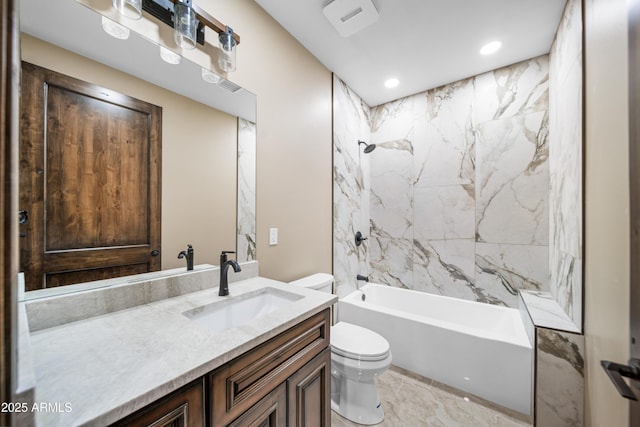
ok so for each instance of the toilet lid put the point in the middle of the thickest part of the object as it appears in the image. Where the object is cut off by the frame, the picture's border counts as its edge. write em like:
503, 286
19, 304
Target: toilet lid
356, 342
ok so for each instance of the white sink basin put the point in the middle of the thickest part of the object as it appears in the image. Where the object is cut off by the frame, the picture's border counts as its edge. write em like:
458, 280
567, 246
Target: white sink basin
238, 310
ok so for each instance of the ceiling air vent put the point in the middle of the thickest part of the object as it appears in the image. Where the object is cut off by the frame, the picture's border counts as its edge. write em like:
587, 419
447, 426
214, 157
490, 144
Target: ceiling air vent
350, 16
230, 86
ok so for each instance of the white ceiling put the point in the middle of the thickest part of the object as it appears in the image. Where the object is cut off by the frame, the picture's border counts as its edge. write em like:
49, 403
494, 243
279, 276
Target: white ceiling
423, 43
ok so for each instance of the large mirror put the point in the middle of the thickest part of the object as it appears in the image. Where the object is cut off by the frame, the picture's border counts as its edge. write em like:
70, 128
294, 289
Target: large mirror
208, 130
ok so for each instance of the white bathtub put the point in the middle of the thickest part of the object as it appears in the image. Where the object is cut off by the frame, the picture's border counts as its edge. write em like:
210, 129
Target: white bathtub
478, 348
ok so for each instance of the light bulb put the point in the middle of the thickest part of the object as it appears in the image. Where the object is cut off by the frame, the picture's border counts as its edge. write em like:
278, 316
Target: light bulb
185, 26
131, 9
227, 53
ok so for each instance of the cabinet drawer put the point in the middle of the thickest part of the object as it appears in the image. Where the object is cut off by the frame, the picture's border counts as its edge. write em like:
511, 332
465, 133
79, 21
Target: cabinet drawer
184, 407
271, 411
242, 382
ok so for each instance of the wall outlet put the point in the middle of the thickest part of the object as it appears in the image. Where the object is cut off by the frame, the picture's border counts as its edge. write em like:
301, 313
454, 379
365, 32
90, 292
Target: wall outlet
273, 236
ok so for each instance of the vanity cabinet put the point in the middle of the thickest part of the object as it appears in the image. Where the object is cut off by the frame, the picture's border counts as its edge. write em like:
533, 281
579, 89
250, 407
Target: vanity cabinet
283, 382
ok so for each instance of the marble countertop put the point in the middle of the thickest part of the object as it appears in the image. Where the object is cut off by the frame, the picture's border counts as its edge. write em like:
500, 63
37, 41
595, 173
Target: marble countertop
99, 369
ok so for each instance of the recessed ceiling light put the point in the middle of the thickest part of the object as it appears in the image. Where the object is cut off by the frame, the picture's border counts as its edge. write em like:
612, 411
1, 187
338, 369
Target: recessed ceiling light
391, 83
114, 29
210, 77
169, 56
491, 47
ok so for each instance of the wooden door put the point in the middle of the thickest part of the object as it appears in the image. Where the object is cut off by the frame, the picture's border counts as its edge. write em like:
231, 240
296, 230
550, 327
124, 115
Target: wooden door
89, 181
9, 87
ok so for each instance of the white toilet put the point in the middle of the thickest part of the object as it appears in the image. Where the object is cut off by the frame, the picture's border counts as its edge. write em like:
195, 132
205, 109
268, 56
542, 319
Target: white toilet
358, 356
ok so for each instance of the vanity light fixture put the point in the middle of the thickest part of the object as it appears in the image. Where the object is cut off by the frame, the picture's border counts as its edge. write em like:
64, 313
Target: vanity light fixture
490, 48
131, 9
169, 56
114, 29
188, 22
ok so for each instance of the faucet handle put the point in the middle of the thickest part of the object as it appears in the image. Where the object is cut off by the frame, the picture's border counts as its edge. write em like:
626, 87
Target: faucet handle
223, 257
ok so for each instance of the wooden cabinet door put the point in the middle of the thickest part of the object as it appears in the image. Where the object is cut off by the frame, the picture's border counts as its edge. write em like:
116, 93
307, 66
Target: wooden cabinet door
89, 181
271, 411
309, 393
184, 408
241, 383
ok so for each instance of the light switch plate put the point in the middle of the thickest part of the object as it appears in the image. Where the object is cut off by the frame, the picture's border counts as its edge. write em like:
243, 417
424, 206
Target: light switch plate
273, 236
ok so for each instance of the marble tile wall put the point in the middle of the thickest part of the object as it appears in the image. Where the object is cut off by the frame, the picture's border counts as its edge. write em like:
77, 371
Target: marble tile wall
559, 378
459, 187
351, 184
475, 190
565, 165
246, 230
474, 187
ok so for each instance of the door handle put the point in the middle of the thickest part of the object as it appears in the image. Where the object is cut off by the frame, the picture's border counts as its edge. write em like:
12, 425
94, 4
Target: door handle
155, 252
616, 371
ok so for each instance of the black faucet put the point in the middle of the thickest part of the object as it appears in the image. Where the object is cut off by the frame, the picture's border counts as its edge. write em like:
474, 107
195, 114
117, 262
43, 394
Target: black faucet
224, 265
188, 254
363, 278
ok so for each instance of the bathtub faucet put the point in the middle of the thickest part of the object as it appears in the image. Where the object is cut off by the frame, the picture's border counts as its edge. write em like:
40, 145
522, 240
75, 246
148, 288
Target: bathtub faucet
361, 277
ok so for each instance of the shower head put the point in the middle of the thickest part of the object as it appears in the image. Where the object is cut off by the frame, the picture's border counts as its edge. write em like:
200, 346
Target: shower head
368, 147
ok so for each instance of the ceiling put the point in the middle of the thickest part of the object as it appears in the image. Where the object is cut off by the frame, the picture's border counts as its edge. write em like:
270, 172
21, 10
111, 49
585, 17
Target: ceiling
422, 43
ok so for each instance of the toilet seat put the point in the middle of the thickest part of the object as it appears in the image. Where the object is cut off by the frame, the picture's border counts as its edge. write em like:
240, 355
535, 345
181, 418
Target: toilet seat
358, 343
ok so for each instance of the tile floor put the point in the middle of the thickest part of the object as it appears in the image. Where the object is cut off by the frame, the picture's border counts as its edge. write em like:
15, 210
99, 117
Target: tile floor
410, 400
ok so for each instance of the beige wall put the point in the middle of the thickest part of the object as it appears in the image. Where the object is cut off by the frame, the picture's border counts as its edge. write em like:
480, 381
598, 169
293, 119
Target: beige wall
198, 157
606, 207
294, 182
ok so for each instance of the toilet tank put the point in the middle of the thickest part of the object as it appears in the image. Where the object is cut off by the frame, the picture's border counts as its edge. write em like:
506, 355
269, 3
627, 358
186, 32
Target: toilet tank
322, 282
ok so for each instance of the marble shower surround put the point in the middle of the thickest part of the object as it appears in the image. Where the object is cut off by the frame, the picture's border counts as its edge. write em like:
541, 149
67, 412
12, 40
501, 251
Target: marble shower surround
464, 193
459, 186
565, 165
351, 186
